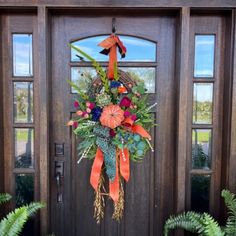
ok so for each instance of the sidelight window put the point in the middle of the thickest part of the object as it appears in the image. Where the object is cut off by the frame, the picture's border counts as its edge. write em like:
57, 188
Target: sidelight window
202, 162
23, 129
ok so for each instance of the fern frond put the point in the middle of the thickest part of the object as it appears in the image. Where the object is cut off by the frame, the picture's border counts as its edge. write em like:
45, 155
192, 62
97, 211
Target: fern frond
4, 197
190, 221
230, 202
13, 224
211, 227
33, 207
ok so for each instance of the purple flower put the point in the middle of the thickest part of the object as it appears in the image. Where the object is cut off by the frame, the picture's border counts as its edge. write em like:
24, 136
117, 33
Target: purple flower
96, 113
114, 84
127, 113
125, 102
134, 117
75, 124
76, 104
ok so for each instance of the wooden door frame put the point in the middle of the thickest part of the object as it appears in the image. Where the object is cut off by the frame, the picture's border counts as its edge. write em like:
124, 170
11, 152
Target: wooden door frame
182, 54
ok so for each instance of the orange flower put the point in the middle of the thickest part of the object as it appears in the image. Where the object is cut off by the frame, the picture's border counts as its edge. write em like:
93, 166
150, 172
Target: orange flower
122, 89
112, 116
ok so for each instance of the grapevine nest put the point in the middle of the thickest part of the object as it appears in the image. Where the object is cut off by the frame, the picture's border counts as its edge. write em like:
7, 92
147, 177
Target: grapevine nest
124, 78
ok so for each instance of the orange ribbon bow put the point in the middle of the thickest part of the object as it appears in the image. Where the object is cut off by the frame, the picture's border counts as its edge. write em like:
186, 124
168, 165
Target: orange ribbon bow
109, 45
138, 129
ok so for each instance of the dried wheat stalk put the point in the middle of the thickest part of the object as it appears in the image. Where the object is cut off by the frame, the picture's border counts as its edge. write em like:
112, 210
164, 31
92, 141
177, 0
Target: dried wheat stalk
119, 205
99, 202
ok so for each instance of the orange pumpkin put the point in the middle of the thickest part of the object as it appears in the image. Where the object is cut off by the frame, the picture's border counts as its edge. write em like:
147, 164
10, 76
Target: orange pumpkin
112, 116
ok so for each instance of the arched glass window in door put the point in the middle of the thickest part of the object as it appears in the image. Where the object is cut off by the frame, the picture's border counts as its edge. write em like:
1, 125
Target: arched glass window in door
140, 61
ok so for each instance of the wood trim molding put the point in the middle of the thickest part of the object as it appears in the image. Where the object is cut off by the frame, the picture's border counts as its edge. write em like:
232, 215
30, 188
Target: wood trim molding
182, 126
232, 156
1, 119
121, 3
44, 115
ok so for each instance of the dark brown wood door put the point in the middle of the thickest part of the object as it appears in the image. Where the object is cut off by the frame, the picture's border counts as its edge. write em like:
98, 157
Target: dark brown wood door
149, 195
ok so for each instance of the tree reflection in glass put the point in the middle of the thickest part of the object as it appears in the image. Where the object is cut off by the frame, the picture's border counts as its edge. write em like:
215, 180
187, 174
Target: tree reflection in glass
24, 148
202, 103
201, 149
23, 102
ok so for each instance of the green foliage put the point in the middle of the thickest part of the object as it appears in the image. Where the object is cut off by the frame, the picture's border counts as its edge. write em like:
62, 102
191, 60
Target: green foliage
14, 222
96, 65
230, 202
4, 197
78, 90
204, 224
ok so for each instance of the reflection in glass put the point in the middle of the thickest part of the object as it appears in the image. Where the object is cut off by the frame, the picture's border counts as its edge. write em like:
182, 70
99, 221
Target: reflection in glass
201, 148
137, 49
200, 189
204, 55
24, 192
24, 148
24, 189
23, 102
22, 55
81, 77
144, 74
202, 103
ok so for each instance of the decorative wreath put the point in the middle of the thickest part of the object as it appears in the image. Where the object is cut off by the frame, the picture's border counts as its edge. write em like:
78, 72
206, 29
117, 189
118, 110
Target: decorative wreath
113, 120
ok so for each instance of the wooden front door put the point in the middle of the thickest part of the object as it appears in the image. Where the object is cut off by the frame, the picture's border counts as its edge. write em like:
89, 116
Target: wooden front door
149, 195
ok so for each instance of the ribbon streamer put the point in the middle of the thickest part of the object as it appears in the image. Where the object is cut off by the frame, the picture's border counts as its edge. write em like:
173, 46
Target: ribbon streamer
124, 164
96, 169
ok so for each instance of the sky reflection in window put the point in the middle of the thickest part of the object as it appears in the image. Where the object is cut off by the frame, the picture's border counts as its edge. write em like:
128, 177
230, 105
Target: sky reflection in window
204, 55
22, 55
137, 49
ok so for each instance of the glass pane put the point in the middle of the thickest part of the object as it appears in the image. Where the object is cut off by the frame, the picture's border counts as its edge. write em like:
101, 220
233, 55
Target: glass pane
202, 103
204, 55
24, 189
24, 148
81, 75
145, 74
23, 102
200, 189
201, 148
22, 55
137, 49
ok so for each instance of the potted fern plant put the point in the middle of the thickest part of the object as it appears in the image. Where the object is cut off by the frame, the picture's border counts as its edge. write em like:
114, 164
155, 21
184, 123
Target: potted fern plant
14, 222
204, 224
